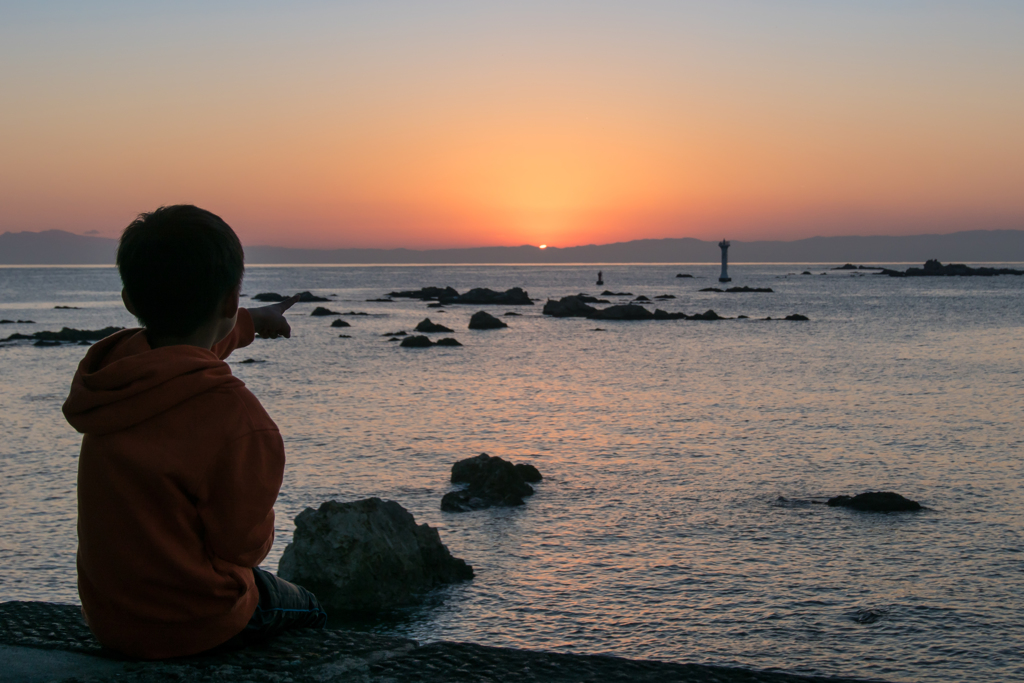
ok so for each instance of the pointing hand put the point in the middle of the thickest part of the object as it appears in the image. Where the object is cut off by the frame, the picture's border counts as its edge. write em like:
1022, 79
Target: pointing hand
270, 322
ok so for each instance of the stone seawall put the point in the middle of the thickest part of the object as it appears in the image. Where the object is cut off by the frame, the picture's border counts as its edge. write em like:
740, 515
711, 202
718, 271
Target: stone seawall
49, 642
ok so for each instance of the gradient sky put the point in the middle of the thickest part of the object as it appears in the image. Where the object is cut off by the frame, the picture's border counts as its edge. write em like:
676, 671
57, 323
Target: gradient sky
437, 124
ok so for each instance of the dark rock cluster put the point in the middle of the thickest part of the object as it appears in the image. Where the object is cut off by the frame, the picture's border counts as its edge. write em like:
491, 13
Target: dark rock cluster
66, 335
492, 481
304, 297
340, 323
934, 268
850, 266
418, 341
367, 556
516, 296
574, 307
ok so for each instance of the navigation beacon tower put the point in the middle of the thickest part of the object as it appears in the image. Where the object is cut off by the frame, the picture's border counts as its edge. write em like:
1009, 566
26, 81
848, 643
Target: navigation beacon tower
724, 246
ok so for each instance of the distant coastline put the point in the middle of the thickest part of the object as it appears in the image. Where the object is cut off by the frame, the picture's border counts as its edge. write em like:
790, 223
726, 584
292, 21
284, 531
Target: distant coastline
58, 247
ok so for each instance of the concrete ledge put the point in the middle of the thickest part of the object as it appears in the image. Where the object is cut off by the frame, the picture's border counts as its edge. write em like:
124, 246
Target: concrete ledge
42, 642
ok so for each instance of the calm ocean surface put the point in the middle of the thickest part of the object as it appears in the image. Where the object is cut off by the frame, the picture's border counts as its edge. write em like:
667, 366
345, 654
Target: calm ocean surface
664, 446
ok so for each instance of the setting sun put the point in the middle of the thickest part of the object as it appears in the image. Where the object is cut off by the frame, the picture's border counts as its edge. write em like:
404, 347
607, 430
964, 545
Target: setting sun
543, 246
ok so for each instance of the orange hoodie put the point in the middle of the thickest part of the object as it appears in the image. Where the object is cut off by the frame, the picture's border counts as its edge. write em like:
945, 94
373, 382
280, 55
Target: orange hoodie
179, 471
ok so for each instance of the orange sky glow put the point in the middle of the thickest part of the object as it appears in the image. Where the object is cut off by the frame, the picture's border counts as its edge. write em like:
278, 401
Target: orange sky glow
450, 125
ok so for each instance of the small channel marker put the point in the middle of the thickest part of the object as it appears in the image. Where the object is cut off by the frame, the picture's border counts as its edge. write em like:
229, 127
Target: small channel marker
724, 246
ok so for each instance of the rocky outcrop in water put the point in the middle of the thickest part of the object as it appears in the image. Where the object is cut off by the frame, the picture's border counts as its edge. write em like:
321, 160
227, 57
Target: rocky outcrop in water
573, 307
340, 323
320, 311
426, 293
737, 290
850, 266
876, 501
567, 307
622, 312
66, 334
420, 342
426, 325
934, 268
304, 297
516, 296
482, 320
492, 482
367, 556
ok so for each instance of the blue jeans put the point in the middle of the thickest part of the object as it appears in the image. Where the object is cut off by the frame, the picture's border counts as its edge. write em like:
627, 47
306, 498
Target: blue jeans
282, 606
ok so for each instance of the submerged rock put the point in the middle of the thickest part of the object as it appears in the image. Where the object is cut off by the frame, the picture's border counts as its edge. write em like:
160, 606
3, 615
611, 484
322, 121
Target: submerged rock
367, 556
492, 481
447, 341
796, 316
426, 325
876, 501
340, 323
482, 320
735, 290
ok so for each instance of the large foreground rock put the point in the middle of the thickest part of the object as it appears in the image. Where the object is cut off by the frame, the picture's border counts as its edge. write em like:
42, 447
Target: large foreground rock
492, 481
876, 501
367, 556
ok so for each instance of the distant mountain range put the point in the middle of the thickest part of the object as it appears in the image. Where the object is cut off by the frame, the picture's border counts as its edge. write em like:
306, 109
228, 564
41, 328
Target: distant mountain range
57, 247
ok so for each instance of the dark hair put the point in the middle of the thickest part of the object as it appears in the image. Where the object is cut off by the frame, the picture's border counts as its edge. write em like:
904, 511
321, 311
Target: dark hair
176, 264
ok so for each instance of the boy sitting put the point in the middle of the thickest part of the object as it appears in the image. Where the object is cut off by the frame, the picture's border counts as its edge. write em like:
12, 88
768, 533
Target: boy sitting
180, 464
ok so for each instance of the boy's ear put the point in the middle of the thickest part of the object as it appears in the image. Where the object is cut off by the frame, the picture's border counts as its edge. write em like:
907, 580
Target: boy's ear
128, 302
229, 306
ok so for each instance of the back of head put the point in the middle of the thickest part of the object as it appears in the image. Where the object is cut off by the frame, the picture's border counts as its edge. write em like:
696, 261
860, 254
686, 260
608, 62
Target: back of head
177, 263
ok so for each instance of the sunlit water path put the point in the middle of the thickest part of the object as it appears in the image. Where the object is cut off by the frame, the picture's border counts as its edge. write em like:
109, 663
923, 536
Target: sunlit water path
657, 532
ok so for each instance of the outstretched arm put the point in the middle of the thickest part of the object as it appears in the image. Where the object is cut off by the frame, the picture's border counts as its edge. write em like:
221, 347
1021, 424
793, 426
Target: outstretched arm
270, 322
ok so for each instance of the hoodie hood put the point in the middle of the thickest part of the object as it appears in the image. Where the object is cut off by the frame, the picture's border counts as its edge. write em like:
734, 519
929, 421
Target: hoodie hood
122, 381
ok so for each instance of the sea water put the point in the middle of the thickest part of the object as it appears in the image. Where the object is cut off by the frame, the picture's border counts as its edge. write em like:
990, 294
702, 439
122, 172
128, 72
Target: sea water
658, 531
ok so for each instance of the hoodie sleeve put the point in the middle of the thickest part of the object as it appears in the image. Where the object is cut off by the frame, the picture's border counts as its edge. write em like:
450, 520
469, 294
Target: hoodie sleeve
241, 335
237, 508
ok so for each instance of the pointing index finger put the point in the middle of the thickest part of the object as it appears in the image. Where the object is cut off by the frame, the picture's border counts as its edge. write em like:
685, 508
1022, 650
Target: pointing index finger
289, 302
